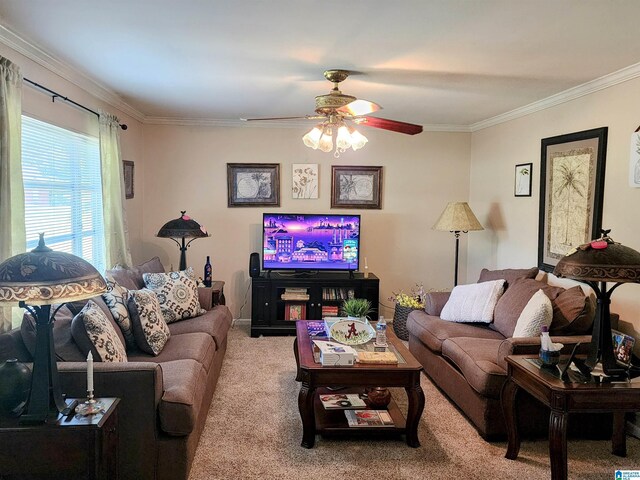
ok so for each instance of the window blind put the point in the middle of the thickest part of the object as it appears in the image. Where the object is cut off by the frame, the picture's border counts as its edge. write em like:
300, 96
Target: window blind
63, 190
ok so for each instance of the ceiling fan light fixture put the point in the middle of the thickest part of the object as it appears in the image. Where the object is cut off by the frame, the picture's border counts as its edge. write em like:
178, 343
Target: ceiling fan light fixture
357, 139
343, 138
312, 138
326, 142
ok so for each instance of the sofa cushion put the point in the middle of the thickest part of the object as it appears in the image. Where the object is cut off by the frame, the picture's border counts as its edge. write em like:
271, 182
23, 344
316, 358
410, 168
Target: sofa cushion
184, 387
536, 313
215, 322
131, 278
435, 302
93, 331
476, 360
177, 293
65, 346
149, 328
432, 331
515, 298
473, 303
195, 346
508, 274
116, 298
573, 313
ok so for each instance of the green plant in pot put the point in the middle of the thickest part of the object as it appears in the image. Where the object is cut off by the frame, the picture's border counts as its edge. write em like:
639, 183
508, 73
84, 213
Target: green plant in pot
356, 307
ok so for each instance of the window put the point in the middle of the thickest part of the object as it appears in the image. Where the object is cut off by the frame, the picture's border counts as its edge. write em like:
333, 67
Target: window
63, 190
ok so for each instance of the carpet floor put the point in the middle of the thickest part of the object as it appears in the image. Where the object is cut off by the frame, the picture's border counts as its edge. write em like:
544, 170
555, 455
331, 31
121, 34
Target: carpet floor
253, 431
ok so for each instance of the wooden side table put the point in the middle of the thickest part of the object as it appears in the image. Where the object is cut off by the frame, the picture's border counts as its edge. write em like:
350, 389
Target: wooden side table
73, 447
564, 398
217, 288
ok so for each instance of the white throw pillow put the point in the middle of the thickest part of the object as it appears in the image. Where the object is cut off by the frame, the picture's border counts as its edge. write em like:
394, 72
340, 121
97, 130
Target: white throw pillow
536, 313
473, 303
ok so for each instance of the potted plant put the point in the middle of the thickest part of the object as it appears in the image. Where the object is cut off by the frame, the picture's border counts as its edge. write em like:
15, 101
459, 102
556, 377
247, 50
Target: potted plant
356, 308
405, 304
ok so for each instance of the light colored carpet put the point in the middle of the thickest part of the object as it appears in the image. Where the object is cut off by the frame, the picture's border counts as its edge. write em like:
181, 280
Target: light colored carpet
253, 431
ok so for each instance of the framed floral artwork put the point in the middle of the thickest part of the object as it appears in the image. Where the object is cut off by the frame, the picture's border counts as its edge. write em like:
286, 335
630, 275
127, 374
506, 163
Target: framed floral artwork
127, 170
571, 193
356, 187
522, 183
253, 184
304, 182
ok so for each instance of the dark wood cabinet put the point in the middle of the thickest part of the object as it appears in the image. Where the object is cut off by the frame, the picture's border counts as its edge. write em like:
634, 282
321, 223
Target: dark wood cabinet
325, 291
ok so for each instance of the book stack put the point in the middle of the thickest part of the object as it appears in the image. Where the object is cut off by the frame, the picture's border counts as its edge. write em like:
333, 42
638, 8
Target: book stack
295, 294
330, 310
335, 354
369, 418
337, 293
378, 358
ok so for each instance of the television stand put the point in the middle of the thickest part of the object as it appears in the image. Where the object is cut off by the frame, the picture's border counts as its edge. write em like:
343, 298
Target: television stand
320, 296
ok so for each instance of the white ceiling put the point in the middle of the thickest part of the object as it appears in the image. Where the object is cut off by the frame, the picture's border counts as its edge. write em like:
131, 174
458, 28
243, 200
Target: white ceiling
431, 62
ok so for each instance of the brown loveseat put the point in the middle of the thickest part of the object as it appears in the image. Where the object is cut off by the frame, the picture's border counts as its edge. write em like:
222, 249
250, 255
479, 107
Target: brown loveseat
164, 399
466, 360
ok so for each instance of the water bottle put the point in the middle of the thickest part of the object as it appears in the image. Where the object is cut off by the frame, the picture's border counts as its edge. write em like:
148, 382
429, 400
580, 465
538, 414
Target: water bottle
381, 332
545, 340
207, 273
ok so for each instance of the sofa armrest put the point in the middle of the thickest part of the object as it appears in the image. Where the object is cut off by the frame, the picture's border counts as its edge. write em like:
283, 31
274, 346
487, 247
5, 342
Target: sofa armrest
434, 302
205, 296
531, 346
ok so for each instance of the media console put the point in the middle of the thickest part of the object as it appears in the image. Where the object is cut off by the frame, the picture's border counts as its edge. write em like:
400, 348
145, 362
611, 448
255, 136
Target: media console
273, 315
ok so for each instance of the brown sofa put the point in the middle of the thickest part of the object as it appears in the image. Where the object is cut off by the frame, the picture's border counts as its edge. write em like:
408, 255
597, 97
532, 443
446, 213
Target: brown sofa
466, 360
164, 399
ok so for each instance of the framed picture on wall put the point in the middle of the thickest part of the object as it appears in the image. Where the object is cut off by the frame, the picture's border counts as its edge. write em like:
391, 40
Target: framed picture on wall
304, 181
356, 187
522, 182
571, 193
253, 184
127, 168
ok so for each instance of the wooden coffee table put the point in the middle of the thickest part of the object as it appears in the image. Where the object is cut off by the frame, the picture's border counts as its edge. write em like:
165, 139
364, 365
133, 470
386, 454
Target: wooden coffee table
314, 377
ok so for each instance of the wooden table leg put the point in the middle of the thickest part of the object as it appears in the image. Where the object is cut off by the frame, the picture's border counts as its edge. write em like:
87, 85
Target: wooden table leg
619, 437
558, 444
508, 402
305, 406
297, 356
415, 396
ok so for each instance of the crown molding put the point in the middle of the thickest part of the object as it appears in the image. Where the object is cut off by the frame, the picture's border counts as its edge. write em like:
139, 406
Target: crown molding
620, 76
73, 75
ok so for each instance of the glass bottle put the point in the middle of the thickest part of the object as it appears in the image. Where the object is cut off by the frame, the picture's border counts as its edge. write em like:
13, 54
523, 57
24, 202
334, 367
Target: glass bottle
207, 273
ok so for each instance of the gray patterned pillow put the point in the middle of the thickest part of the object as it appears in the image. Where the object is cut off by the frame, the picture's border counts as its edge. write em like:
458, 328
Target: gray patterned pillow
92, 324
116, 299
177, 293
149, 328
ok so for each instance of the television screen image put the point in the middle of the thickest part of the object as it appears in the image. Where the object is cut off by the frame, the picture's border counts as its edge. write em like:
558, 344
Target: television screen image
310, 242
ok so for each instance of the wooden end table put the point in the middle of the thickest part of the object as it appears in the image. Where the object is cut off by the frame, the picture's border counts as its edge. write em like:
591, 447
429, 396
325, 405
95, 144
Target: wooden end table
72, 447
564, 398
313, 377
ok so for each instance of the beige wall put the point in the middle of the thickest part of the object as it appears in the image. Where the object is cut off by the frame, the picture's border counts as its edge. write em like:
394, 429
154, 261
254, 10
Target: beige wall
421, 174
39, 105
512, 223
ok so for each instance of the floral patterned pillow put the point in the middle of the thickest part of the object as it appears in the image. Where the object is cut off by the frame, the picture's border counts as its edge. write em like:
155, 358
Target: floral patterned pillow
177, 293
92, 324
149, 328
116, 299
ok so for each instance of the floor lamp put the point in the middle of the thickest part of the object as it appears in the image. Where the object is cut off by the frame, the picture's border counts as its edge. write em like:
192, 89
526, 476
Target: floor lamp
182, 228
595, 264
457, 218
35, 281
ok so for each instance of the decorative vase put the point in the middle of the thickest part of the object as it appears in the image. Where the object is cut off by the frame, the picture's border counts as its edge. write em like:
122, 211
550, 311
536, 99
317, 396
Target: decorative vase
400, 315
378, 397
15, 383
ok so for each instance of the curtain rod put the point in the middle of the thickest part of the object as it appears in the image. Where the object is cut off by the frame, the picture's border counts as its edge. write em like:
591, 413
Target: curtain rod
55, 95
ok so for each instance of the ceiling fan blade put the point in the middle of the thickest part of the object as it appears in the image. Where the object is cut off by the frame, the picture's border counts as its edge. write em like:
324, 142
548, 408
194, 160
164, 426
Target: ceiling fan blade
306, 117
359, 107
393, 125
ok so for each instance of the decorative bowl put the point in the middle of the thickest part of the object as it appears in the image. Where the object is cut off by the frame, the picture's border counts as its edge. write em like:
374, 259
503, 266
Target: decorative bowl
351, 332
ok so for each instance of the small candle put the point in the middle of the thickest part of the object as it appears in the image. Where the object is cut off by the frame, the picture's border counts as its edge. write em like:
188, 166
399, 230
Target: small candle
90, 372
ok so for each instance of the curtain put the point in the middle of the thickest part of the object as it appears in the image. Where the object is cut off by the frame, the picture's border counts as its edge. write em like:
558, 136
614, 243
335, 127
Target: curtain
115, 223
12, 230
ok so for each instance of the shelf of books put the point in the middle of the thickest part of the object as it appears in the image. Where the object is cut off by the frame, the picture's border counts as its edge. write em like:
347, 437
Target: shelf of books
345, 411
294, 303
337, 294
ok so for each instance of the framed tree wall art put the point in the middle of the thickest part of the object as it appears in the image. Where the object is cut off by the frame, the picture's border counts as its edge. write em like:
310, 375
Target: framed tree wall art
253, 184
522, 185
356, 187
571, 193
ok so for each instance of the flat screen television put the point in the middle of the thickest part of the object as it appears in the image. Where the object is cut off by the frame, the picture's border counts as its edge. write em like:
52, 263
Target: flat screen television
310, 242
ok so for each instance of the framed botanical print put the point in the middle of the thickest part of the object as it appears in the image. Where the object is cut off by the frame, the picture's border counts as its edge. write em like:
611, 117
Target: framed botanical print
356, 187
571, 193
304, 180
522, 181
253, 184
127, 168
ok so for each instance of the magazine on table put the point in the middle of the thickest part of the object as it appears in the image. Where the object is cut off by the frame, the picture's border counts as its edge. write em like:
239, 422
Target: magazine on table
368, 418
342, 401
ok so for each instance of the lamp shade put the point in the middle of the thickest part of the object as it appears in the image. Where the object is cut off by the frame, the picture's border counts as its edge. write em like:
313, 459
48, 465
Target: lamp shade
44, 276
457, 217
613, 263
183, 226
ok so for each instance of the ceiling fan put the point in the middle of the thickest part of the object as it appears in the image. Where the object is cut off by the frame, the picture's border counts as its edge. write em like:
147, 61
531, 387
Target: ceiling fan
335, 109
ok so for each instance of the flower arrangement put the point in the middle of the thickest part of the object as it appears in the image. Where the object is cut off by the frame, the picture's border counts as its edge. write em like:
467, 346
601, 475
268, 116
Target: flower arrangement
415, 299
